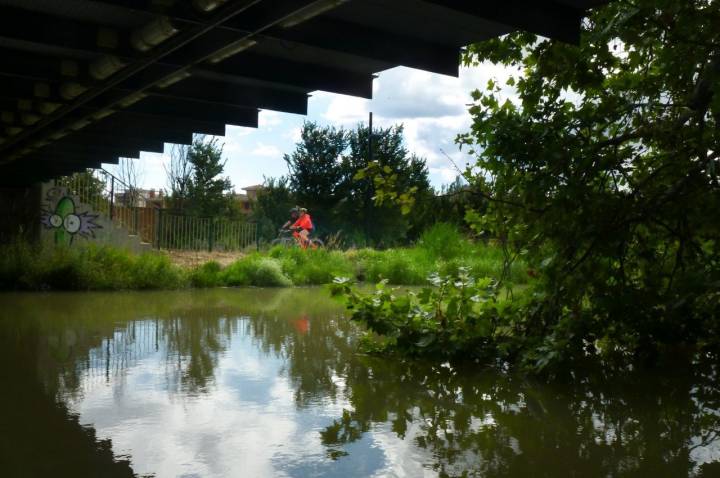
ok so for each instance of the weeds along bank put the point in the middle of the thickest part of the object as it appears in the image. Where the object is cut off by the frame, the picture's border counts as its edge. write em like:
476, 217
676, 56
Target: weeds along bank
91, 267
106, 268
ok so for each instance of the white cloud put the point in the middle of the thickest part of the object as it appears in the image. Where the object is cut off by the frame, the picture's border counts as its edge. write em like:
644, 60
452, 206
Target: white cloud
447, 175
269, 118
346, 110
295, 134
266, 150
408, 93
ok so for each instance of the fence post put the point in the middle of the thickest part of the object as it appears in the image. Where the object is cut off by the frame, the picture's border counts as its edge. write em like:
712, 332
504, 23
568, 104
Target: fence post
257, 237
158, 228
112, 196
211, 234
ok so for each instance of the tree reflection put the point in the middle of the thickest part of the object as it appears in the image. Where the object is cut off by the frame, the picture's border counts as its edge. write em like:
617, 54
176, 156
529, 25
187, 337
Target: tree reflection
498, 425
100, 336
315, 358
39, 436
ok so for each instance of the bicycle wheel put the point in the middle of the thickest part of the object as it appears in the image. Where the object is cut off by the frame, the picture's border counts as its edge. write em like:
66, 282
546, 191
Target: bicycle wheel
283, 241
316, 243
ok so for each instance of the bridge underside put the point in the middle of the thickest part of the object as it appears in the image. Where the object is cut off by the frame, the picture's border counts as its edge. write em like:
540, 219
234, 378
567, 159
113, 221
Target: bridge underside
83, 82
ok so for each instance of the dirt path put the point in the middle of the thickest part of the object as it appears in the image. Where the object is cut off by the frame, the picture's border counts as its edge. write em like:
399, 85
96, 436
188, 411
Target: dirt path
192, 259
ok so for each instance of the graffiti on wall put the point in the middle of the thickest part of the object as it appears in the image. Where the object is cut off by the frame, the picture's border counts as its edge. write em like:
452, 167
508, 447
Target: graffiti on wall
61, 214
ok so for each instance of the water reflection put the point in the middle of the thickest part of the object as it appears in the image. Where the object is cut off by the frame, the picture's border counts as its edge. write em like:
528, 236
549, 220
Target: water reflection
499, 425
268, 383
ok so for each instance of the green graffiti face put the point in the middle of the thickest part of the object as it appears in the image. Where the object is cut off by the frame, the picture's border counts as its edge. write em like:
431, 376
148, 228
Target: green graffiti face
64, 216
67, 222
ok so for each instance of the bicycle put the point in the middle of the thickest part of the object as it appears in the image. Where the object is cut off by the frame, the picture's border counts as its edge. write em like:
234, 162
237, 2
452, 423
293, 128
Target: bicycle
286, 238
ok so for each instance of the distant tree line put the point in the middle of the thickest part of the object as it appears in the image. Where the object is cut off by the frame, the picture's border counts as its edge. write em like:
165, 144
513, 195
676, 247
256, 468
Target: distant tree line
326, 176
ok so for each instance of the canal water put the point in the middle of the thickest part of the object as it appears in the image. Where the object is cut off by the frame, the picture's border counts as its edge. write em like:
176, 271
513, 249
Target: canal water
268, 383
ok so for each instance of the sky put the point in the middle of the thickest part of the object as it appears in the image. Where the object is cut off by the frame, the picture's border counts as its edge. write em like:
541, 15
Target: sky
432, 108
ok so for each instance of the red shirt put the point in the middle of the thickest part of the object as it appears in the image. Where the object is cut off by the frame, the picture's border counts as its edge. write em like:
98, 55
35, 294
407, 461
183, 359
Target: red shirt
304, 222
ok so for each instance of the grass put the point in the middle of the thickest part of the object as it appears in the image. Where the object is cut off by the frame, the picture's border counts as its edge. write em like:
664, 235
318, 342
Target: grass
257, 270
441, 249
85, 268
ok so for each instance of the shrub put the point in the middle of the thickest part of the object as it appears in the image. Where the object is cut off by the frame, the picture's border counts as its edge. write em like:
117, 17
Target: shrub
312, 267
104, 267
444, 241
15, 259
458, 317
207, 275
89, 267
256, 270
398, 266
155, 271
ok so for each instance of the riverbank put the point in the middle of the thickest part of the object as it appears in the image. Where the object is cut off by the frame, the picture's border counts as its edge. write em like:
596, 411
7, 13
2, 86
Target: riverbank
23, 267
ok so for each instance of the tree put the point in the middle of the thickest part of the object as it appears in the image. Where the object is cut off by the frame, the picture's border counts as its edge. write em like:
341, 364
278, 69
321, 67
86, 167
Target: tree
604, 171
179, 174
315, 173
272, 207
381, 222
208, 192
452, 202
130, 173
323, 176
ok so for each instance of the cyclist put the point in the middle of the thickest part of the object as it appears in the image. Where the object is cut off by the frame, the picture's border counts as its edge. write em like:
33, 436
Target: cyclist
294, 213
302, 228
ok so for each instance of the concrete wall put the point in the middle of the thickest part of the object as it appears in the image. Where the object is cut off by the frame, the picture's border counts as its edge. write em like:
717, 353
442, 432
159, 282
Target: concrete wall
19, 214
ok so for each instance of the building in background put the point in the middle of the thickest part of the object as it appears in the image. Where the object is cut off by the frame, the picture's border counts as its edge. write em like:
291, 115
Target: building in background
141, 198
246, 200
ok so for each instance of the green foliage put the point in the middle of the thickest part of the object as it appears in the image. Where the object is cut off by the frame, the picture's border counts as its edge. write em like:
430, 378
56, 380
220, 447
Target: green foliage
385, 183
457, 316
444, 241
207, 275
381, 221
316, 177
256, 270
208, 192
108, 268
451, 204
600, 164
272, 207
398, 266
90, 267
311, 267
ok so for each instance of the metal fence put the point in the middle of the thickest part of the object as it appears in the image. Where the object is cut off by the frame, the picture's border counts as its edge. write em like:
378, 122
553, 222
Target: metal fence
163, 228
176, 230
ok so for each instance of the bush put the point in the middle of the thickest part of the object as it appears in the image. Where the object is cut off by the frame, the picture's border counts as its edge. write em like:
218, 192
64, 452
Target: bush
312, 267
444, 241
207, 275
484, 261
14, 261
398, 266
155, 271
256, 270
458, 317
